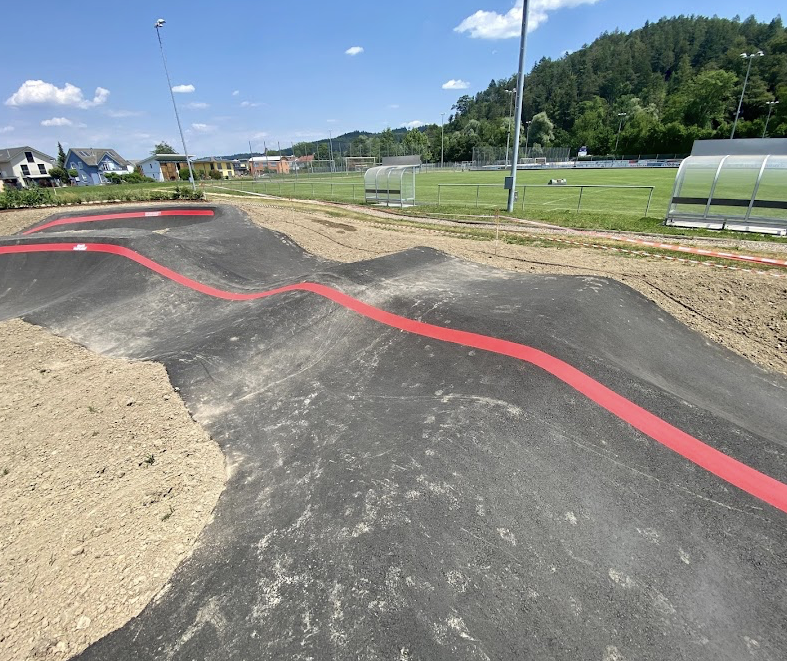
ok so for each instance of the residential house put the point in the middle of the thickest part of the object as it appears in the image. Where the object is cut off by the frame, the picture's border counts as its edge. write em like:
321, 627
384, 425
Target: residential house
263, 164
21, 167
163, 167
204, 166
92, 165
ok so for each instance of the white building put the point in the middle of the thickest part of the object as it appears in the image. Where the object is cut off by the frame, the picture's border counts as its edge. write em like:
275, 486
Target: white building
24, 166
163, 167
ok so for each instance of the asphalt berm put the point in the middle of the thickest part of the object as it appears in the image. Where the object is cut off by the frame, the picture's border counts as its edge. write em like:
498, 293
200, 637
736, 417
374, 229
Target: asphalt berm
406, 490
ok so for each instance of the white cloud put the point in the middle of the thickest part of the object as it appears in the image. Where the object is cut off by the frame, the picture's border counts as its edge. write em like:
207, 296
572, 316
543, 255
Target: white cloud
119, 114
197, 105
40, 92
183, 89
6, 129
394, 106
354, 50
249, 104
332, 121
236, 92
203, 128
491, 25
57, 121
458, 84
414, 124
259, 135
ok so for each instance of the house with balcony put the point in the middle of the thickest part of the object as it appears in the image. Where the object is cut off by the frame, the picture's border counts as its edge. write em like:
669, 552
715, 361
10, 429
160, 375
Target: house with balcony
21, 167
164, 167
204, 166
92, 165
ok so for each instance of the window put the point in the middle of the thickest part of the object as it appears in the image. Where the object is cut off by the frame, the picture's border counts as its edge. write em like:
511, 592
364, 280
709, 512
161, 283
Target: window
72, 166
212, 166
25, 170
29, 156
42, 168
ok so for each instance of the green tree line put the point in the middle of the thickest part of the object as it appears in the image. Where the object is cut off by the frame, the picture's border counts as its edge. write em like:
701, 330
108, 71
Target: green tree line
670, 82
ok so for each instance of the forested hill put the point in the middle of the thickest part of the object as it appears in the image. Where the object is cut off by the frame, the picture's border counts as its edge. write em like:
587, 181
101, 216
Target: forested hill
678, 79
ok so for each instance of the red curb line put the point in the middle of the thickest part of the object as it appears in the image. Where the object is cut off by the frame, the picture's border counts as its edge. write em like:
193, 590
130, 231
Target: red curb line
114, 216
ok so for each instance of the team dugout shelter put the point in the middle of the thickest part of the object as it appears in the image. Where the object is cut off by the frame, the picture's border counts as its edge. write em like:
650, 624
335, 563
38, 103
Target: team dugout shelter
393, 182
732, 185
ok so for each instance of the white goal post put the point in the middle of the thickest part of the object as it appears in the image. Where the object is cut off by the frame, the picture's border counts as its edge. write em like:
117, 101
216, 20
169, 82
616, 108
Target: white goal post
359, 163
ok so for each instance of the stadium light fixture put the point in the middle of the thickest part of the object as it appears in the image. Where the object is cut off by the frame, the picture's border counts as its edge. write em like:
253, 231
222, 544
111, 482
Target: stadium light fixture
622, 116
520, 87
770, 105
750, 57
159, 24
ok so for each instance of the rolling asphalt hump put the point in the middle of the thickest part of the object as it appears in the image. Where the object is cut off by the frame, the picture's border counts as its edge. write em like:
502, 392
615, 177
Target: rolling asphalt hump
429, 458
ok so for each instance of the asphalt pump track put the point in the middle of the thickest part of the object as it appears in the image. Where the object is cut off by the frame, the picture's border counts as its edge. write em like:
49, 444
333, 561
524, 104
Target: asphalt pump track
429, 458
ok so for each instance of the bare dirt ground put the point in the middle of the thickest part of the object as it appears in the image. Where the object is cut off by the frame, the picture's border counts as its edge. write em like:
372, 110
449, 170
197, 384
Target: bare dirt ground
105, 484
92, 531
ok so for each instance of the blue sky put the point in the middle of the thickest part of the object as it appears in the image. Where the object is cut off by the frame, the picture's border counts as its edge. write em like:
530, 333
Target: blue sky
277, 72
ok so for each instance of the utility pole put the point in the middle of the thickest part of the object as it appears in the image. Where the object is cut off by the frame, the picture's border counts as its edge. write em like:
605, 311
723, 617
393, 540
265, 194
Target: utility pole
520, 88
159, 24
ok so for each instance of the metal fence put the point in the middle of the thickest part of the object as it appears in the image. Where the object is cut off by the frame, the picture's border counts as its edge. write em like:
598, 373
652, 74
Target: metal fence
498, 157
546, 195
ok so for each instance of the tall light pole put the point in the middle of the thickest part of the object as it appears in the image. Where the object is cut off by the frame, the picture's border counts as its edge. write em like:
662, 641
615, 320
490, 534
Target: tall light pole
330, 141
510, 119
527, 136
770, 105
622, 116
750, 57
159, 24
520, 87
442, 140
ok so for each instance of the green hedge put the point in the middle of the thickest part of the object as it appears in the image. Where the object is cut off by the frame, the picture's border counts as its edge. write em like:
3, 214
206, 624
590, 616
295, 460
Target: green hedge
13, 198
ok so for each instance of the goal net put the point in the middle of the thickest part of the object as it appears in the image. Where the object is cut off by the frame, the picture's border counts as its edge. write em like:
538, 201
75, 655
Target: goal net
359, 163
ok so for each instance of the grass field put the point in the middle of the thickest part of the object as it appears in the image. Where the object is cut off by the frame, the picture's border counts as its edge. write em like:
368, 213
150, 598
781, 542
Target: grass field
484, 189
473, 193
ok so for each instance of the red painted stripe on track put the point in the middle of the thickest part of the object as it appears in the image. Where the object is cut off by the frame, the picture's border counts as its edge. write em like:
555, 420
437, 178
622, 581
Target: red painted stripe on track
115, 216
731, 470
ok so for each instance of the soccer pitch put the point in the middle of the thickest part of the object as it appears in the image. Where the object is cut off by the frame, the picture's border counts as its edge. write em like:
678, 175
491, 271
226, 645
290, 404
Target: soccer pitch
483, 190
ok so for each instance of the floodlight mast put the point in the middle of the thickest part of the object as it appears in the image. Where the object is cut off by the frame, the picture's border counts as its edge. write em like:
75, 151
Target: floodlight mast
442, 140
159, 24
770, 105
510, 121
750, 57
622, 116
520, 87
